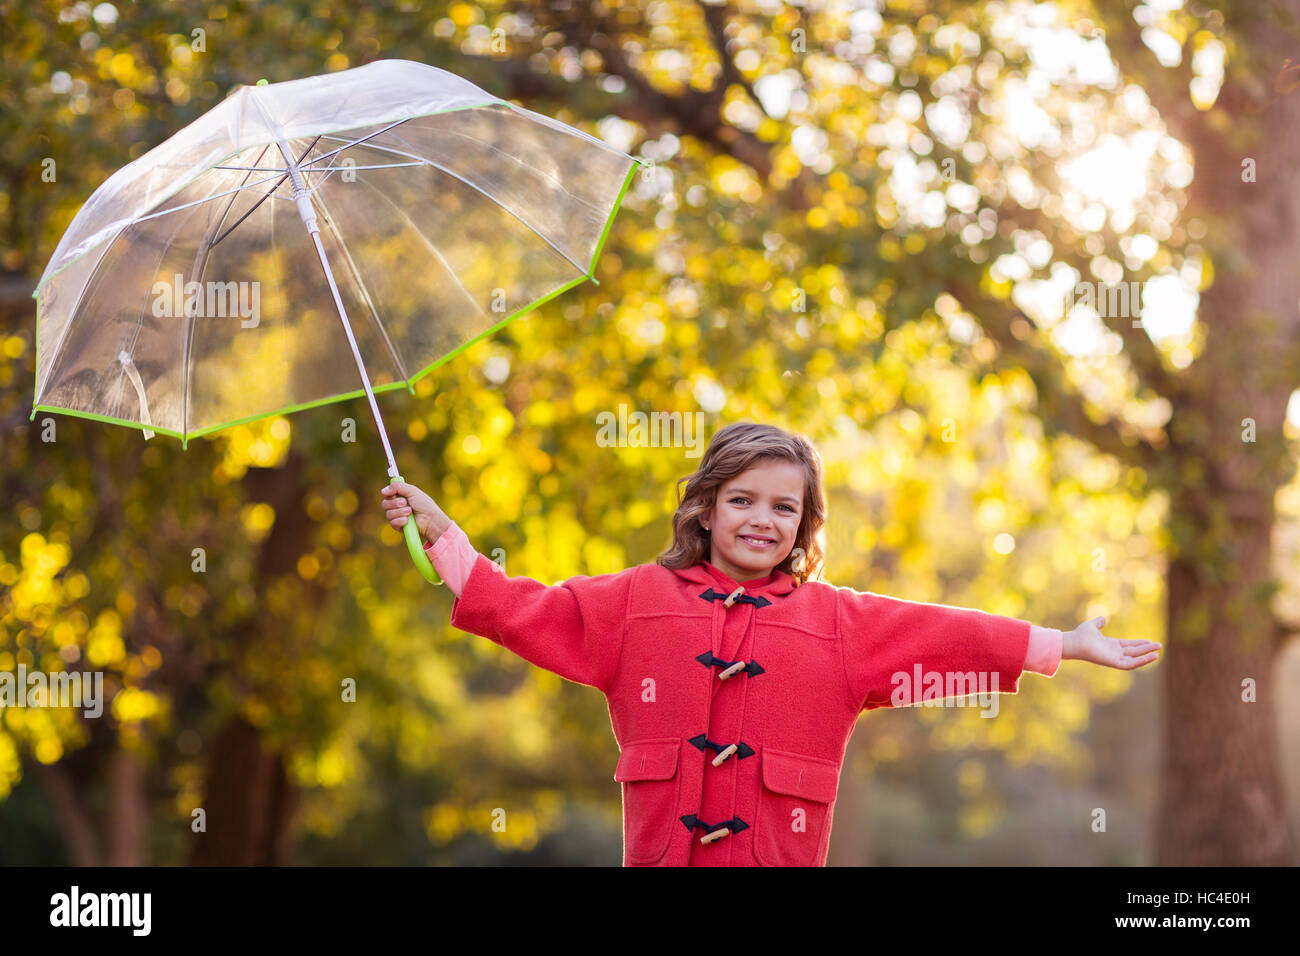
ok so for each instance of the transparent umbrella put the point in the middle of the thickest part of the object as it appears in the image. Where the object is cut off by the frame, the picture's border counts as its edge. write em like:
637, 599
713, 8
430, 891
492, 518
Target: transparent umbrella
301, 238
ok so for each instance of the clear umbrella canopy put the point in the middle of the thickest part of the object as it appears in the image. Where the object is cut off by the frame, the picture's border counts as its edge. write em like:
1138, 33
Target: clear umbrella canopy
187, 295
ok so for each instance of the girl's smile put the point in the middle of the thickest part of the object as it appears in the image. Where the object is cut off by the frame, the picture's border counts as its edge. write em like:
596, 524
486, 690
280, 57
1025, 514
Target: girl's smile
755, 519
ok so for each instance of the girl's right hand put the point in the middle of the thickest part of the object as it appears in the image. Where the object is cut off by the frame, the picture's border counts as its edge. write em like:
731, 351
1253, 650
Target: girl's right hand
402, 499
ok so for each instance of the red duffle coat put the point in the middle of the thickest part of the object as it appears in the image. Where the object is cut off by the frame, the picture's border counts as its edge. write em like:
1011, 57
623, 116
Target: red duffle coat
800, 665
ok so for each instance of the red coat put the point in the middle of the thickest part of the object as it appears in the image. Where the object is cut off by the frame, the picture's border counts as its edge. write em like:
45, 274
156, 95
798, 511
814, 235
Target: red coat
656, 642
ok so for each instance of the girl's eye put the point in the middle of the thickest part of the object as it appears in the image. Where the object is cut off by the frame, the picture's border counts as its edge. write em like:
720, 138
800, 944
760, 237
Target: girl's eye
732, 501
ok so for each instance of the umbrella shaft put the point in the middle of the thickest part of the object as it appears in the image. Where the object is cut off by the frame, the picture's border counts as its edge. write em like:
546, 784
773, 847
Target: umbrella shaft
303, 201
356, 354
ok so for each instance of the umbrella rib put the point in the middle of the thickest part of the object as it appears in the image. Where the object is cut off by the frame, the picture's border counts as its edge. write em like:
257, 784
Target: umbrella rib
329, 171
196, 202
226, 212
531, 228
514, 159
252, 209
431, 247
252, 169
550, 121
280, 169
265, 196
355, 142
94, 271
356, 273
365, 293
202, 255
57, 355
81, 294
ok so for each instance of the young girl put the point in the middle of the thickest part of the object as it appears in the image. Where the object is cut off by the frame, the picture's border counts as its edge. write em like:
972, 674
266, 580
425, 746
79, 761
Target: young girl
734, 678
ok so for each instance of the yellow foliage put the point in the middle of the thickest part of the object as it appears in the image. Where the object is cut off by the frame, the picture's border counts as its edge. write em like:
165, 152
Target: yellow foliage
133, 705
331, 768
979, 819
104, 646
48, 750
260, 444
257, 519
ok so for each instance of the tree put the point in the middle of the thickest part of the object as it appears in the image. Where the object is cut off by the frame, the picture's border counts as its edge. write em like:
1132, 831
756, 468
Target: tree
772, 264
1220, 453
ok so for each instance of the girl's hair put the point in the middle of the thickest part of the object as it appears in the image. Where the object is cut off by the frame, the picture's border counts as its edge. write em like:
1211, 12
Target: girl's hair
733, 450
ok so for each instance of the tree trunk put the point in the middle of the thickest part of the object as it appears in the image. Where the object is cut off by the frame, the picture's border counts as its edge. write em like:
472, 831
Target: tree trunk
128, 809
1222, 800
249, 802
75, 824
249, 799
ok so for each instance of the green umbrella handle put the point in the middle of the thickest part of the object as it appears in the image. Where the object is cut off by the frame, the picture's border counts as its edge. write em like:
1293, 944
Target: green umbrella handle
414, 545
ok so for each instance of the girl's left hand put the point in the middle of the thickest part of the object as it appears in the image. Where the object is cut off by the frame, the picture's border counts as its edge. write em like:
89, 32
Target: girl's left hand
1087, 643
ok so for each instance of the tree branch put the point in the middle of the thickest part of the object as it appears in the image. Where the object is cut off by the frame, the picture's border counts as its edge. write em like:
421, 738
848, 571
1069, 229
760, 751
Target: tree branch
696, 113
715, 18
1138, 347
1056, 404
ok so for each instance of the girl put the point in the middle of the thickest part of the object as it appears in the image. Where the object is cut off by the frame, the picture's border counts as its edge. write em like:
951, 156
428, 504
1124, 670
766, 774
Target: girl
733, 676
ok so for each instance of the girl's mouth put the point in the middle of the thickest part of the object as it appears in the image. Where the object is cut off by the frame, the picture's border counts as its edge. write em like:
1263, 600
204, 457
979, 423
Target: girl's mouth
759, 544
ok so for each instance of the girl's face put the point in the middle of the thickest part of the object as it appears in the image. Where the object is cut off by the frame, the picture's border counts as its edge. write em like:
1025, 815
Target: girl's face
753, 523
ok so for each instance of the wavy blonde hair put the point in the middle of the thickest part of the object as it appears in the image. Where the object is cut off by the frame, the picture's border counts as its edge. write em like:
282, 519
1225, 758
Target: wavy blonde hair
733, 450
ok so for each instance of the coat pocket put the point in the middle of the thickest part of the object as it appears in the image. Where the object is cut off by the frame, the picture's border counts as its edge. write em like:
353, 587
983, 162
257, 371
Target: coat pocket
794, 803
647, 769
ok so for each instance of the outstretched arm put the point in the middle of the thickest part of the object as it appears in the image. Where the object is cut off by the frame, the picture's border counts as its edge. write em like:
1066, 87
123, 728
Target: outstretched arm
574, 629
894, 648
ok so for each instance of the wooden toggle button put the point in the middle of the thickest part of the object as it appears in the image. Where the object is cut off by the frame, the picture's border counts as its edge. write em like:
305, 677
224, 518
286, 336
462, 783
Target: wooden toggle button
731, 598
735, 668
715, 835
724, 755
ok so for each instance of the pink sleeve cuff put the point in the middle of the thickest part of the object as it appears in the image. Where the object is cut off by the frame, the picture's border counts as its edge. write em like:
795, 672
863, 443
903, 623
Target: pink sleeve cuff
1044, 654
453, 556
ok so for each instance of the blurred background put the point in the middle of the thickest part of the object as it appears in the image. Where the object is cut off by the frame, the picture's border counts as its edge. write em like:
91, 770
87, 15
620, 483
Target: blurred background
863, 221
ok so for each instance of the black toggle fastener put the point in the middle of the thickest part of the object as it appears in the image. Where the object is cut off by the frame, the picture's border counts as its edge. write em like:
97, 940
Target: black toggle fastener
716, 830
753, 669
704, 743
712, 595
